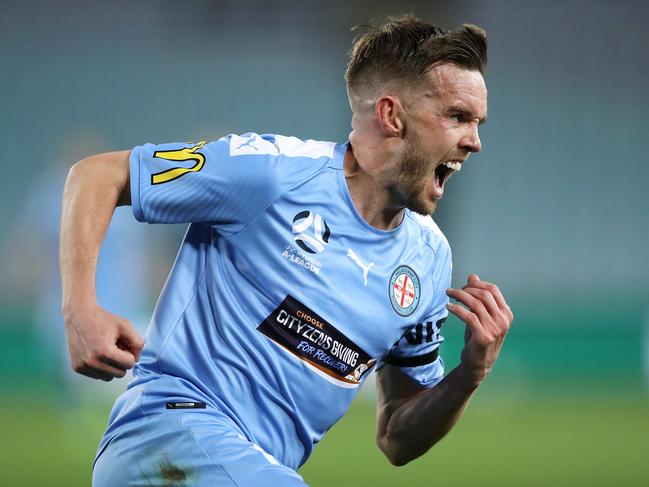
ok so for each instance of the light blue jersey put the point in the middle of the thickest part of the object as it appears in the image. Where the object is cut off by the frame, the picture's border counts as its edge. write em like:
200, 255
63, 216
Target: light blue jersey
282, 298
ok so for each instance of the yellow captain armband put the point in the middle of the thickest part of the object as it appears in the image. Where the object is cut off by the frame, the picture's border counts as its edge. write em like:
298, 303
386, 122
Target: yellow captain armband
185, 154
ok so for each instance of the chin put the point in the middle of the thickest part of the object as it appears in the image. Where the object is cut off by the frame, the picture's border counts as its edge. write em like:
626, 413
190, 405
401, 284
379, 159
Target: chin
423, 207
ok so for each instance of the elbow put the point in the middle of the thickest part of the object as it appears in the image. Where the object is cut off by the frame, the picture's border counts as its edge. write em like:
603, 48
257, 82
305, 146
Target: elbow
75, 171
108, 172
75, 179
399, 461
80, 173
395, 454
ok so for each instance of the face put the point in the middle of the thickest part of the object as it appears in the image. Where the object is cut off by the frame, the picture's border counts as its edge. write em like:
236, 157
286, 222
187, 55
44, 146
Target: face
441, 132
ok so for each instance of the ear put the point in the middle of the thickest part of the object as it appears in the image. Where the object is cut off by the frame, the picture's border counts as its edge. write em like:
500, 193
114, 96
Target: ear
389, 115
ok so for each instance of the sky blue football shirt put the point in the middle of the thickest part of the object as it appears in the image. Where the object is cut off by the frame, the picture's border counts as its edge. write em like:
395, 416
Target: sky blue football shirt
282, 298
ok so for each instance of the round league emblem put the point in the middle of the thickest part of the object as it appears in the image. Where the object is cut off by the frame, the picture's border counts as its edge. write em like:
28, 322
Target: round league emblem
311, 232
404, 290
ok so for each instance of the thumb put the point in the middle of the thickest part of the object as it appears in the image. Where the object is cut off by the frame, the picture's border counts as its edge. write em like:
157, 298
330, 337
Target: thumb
130, 339
473, 278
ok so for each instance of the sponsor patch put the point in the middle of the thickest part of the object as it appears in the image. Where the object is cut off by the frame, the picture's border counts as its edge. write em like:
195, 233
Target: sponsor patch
296, 328
404, 290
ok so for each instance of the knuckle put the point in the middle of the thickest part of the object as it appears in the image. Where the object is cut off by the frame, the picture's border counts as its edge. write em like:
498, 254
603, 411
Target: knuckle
93, 363
101, 354
484, 295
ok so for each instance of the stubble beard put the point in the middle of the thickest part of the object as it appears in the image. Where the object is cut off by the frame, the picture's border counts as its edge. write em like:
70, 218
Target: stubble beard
413, 174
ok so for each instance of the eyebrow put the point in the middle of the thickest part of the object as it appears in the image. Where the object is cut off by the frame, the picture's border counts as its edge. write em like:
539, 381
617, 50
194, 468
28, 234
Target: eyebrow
468, 114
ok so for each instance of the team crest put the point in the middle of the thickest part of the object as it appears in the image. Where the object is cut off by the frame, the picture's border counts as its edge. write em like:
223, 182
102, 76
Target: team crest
404, 290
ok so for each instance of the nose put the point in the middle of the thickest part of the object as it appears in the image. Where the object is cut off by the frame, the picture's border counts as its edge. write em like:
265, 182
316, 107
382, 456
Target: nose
471, 141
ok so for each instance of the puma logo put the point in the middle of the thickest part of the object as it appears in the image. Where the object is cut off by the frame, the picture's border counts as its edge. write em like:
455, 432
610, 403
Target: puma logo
359, 262
248, 143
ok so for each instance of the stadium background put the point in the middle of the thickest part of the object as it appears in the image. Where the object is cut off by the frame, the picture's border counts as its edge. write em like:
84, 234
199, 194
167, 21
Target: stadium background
555, 210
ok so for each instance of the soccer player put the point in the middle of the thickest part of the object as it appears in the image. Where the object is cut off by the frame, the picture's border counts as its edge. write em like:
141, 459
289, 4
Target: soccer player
305, 265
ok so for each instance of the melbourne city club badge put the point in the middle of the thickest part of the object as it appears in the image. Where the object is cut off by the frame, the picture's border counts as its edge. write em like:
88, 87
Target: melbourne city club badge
404, 290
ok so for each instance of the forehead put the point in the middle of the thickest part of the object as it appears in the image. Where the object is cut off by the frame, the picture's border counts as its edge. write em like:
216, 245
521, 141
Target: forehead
450, 84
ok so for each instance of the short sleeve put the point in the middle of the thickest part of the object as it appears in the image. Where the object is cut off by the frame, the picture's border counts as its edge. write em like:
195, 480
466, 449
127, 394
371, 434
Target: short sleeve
416, 353
226, 182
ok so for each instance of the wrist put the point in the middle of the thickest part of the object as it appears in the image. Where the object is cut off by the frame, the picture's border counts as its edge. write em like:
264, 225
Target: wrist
77, 304
468, 378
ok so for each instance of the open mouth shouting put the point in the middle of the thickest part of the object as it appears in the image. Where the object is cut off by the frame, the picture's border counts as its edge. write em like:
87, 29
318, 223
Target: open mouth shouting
442, 173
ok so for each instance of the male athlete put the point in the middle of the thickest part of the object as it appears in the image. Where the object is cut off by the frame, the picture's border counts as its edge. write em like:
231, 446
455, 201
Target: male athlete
305, 265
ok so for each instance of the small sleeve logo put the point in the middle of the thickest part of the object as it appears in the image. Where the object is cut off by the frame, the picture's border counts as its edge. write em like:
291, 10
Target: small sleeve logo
179, 155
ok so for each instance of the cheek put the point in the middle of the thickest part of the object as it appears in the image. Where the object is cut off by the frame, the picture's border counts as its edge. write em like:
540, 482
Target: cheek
440, 142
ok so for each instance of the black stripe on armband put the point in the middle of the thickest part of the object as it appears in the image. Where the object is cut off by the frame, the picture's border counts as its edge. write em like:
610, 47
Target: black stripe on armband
416, 361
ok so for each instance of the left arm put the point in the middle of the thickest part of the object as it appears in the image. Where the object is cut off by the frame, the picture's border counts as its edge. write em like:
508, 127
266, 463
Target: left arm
410, 420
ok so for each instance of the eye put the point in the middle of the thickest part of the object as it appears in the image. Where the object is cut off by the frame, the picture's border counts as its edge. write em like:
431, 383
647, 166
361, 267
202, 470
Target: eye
458, 117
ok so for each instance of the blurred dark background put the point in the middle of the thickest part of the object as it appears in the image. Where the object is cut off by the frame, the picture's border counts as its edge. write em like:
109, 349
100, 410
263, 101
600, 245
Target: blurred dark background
555, 210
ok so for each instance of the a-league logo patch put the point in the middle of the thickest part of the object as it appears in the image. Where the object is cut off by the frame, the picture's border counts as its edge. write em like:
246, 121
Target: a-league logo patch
311, 232
404, 290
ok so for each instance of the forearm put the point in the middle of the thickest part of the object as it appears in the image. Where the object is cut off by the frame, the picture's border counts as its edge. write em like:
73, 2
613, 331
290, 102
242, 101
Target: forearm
411, 420
94, 187
415, 424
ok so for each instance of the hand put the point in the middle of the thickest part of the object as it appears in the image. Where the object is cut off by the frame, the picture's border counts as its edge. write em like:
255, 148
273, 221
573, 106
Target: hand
101, 344
488, 319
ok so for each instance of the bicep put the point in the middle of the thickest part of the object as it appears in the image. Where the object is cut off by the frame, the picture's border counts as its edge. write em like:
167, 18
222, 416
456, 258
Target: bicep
111, 168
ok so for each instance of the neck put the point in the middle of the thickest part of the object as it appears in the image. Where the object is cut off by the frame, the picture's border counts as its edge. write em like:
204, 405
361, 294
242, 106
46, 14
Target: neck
371, 198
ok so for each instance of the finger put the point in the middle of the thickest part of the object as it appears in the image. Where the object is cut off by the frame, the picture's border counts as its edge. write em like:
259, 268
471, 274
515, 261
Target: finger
118, 359
99, 374
474, 304
467, 316
112, 372
486, 298
495, 292
109, 367
472, 278
130, 340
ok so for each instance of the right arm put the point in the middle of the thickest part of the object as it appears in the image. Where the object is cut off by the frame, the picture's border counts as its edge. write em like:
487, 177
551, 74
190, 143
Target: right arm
101, 345
214, 176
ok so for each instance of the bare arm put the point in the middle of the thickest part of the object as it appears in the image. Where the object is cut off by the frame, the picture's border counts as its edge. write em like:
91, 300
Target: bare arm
410, 420
101, 345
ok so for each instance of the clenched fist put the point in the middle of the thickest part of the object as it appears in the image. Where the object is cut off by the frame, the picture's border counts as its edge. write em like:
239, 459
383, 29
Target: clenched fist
101, 345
